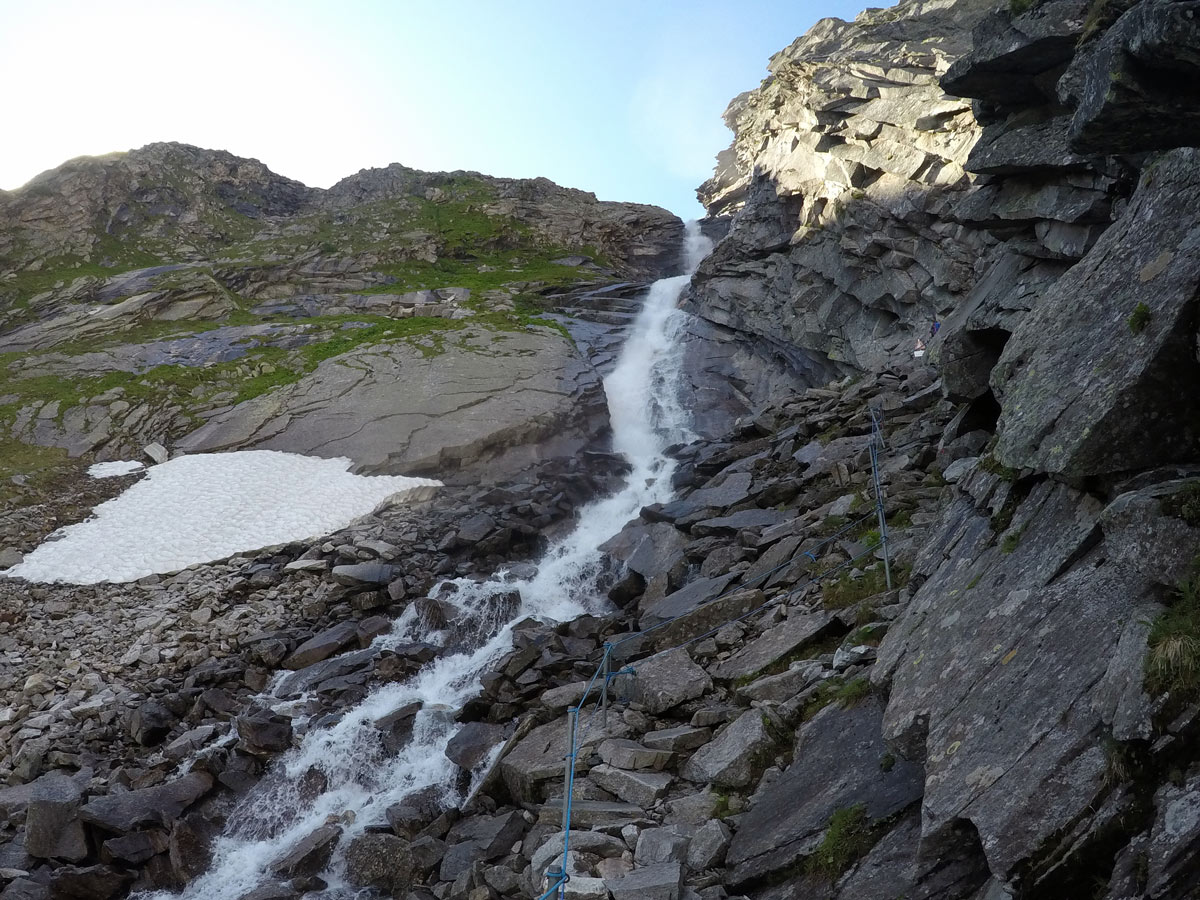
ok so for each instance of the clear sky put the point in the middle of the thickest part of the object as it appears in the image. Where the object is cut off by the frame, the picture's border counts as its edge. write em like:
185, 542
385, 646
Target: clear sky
619, 97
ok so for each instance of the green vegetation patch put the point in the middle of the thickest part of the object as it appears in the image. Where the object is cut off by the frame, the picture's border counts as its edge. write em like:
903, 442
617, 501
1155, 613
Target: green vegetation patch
1173, 663
846, 590
848, 838
1139, 318
847, 694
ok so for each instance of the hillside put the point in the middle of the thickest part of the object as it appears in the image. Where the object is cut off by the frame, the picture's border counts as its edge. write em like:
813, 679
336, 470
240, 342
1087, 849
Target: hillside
189, 298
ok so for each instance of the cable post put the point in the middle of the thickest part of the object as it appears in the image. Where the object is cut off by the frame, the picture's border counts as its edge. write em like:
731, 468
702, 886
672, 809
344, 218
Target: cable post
604, 689
876, 443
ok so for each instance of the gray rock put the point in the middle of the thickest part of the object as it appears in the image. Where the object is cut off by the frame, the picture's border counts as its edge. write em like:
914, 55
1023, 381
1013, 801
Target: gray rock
472, 743
640, 788
380, 861
151, 722
264, 733
690, 597
368, 573
324, 645
622, 753
310, 854
1087, 412
52, 826
156, 452
158, 805
777, 643
681, 737
668, 679
733, 757
708, 846
838, 765
536, 761
661, 845
659, 882
785, 685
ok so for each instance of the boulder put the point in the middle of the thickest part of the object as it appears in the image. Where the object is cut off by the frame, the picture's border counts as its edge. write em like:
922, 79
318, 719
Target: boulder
664, 681
120, 813
88, 882
381, 861
622, 753
736, 754
52, 826
663, 881
151, 722
776, 644
264, 733
679, 738
322, 646
310, 854
365, 574
708, 845
472, 743
643, 789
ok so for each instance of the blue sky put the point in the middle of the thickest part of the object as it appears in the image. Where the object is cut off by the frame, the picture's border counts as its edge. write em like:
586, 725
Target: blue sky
621, 98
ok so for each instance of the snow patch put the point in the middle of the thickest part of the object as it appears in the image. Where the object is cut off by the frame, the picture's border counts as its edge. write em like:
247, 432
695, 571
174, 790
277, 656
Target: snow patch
113, 469
209, 506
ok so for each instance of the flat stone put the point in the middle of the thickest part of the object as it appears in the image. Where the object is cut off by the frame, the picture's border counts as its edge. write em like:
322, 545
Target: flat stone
322, 646
623, 753
590, 813
837, 766
688, 598
674, 740
777, 643
640, 788
158, 805
659, 882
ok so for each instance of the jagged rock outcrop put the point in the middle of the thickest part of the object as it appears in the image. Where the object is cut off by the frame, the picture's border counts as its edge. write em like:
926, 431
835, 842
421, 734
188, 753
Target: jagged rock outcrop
1024, 672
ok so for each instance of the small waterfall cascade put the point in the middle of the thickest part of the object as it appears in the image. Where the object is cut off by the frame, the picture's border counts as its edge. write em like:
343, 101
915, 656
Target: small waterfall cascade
342, 772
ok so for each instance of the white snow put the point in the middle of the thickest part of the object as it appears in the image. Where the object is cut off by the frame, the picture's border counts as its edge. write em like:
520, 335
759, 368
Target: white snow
208, 506
113, 469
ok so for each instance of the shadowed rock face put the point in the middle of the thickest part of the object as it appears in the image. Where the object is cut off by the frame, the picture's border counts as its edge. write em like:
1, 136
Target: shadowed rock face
1098, 391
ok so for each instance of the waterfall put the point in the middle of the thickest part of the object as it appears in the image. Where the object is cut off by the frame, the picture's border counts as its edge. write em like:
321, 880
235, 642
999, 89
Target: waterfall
358, 780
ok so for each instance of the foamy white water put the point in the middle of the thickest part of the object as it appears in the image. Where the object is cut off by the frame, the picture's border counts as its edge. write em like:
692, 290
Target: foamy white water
647, 415
208, 506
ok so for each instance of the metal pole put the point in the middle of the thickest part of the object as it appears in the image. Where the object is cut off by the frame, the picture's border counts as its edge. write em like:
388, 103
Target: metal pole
568, 788
604, 689
876, 442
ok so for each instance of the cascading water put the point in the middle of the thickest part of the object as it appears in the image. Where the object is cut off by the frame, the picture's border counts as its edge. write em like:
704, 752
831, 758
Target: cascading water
342, 772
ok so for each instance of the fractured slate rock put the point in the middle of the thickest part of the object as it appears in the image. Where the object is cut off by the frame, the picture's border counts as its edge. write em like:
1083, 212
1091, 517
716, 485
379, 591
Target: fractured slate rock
837, 765
734, 756
52, 826
1080, 390
668, 679
158, 805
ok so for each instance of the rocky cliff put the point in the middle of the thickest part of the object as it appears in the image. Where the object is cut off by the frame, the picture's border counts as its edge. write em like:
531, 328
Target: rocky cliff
1023, 176
190, 298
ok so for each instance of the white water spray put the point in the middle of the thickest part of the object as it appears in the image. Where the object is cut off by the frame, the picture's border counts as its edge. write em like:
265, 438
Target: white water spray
342, 771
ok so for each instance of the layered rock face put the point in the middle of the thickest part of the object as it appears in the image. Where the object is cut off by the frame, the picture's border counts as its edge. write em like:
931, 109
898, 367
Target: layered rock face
1025, 177
190, 298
